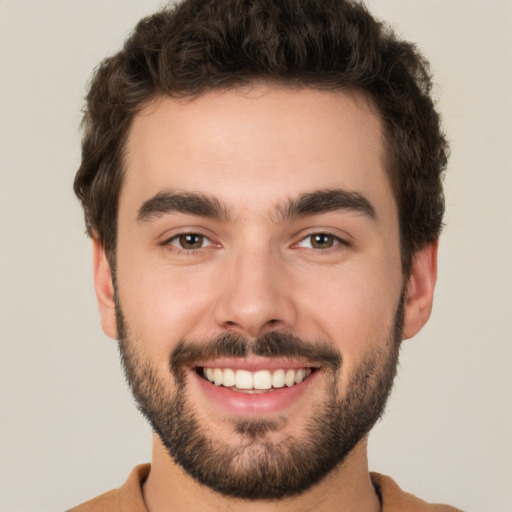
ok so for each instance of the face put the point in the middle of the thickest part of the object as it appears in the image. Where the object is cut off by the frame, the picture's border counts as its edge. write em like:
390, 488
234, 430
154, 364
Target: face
259, 294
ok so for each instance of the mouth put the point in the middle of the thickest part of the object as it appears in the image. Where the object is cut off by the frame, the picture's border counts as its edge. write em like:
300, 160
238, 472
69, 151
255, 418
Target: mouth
260, 381
254, 386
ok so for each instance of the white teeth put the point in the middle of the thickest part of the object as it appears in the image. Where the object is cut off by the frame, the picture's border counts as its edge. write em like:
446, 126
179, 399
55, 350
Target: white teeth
229, 378
217, 376
278, 379
261, 380
289, 378
299, 375
243, 379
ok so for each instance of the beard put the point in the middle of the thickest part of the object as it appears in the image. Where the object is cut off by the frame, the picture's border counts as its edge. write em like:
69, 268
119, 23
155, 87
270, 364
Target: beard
258, 468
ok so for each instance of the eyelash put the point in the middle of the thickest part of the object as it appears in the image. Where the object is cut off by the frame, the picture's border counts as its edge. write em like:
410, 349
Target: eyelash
176, 242
336, 241
179, 238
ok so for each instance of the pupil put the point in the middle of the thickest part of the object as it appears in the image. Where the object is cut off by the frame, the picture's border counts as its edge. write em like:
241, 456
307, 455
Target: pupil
322, 241
191, 241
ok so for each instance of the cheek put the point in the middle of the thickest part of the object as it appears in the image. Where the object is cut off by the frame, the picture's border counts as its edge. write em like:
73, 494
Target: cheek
162, 304
353, 306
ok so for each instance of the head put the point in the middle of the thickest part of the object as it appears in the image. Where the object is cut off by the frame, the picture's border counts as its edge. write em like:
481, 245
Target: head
262, 184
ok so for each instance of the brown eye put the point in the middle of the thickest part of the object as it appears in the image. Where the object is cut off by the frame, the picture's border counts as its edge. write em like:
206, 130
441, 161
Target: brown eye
188, 242
191, 241
322, 241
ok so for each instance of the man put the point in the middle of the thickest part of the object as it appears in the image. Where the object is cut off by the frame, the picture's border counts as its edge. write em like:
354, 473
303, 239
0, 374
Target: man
262, 184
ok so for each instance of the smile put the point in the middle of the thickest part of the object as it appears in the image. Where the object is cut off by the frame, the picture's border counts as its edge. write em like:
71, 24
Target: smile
261, 380
254, 386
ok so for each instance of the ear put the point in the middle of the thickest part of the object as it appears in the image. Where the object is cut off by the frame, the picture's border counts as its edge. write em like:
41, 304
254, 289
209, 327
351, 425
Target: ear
104, 289
420, 290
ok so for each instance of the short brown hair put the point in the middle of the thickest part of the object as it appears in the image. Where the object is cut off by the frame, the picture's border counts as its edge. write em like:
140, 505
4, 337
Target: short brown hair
200, 45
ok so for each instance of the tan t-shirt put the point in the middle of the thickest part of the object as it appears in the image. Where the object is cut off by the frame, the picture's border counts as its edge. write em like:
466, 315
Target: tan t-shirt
128, 498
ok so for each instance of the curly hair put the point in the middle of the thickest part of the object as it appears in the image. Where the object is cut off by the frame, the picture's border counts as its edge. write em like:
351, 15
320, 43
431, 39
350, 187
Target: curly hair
197, 46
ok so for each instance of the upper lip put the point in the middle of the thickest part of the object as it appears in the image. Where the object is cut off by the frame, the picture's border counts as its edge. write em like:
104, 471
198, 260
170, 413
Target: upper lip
254, 363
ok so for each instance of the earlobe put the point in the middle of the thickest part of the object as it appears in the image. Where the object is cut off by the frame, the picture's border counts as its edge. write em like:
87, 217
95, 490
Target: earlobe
104, 287
420, 290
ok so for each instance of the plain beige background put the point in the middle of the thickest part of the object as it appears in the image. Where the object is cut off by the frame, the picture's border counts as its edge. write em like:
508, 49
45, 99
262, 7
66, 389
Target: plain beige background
68, 428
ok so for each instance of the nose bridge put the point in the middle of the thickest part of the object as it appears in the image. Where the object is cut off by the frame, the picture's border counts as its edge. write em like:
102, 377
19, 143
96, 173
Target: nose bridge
253, 296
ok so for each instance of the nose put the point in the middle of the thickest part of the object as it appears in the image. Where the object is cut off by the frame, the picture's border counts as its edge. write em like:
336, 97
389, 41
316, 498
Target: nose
254, 295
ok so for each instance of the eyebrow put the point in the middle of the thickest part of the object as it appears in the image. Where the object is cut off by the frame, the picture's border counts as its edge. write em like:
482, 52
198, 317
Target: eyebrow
193, 203
310, 203
325, 201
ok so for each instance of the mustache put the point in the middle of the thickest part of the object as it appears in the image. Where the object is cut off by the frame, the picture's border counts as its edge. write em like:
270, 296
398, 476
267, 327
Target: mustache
271, 344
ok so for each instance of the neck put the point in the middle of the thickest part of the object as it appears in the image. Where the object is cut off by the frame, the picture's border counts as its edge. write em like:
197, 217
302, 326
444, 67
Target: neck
347, 488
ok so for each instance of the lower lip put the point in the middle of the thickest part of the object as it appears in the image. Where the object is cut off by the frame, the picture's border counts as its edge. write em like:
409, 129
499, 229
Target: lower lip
250, 404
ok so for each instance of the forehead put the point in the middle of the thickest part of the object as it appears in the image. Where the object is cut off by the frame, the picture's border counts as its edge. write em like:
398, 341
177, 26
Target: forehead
256, 146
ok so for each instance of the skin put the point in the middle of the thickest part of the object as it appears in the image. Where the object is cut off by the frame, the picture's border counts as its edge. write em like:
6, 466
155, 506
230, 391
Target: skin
254, 150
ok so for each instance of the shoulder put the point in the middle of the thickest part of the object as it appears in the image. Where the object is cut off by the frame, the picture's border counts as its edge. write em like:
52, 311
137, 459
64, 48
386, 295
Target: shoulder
106, 502
395, 500
128, 498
